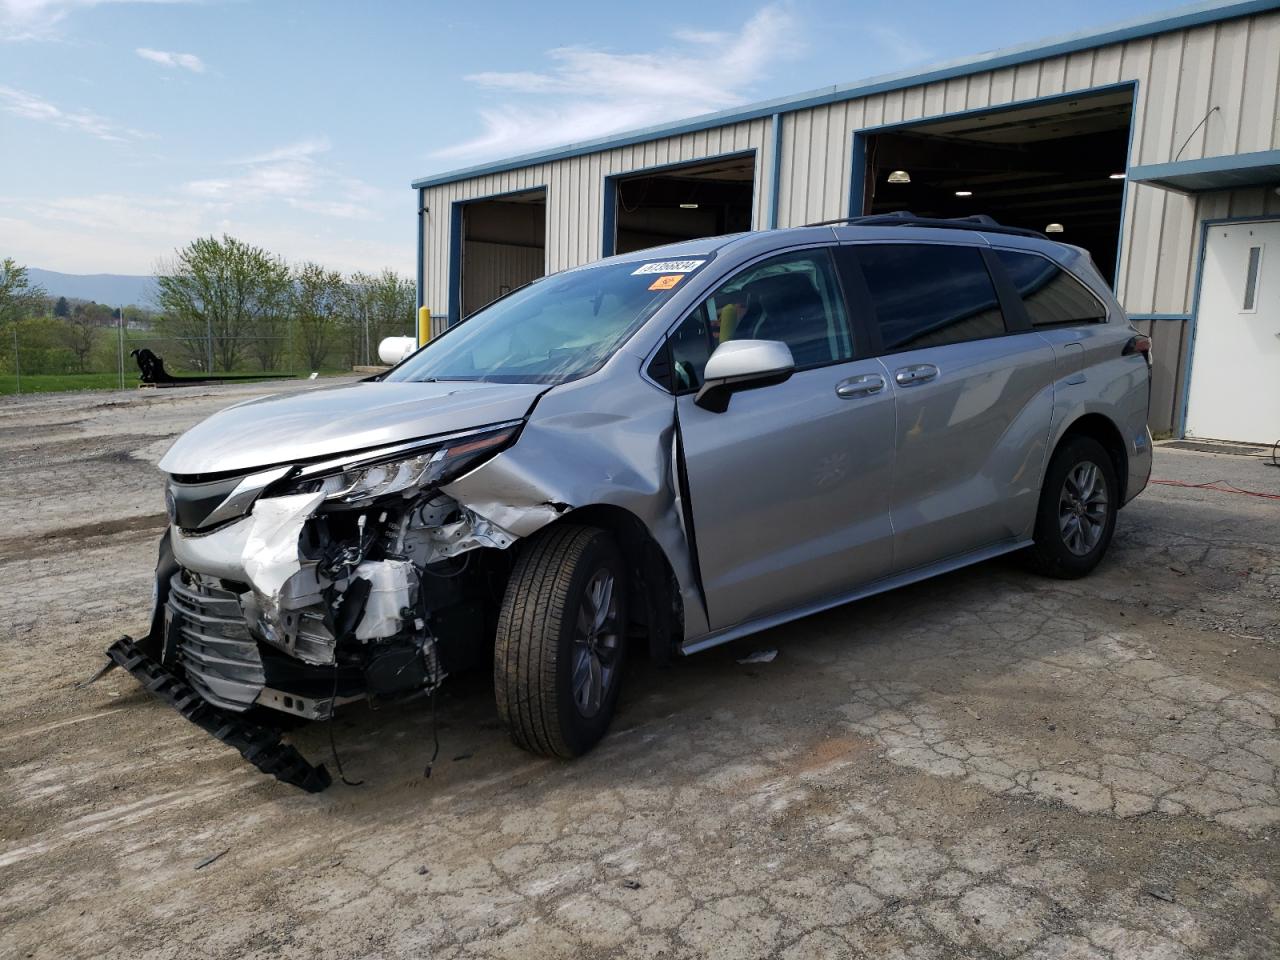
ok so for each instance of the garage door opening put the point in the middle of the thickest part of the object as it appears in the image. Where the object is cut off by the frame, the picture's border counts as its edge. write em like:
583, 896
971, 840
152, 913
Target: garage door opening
1049, 163
683, 203
504, 246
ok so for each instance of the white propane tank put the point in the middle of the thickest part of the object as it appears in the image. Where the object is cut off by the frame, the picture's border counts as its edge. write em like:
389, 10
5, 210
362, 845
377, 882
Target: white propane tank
394, 349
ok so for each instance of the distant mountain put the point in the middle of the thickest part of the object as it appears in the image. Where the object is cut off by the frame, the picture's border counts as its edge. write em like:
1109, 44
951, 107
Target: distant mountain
113, 289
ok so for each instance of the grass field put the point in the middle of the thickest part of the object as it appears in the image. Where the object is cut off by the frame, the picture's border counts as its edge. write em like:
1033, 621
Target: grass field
56, 382
61, 382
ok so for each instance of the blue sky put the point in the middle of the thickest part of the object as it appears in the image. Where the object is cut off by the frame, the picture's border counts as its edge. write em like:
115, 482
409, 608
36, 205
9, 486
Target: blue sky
128, 127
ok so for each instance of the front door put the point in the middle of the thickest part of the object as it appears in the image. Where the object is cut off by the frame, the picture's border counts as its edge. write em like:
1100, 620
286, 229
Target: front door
789, 487
1235, 364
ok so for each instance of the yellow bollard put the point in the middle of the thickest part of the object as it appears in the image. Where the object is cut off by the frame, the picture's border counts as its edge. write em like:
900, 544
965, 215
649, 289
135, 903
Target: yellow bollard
424, 325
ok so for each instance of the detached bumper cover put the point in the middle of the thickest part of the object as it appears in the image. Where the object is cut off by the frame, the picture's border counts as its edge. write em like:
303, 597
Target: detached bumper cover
259, 745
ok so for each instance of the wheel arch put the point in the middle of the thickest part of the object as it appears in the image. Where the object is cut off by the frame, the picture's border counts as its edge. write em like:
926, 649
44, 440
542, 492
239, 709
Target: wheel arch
1100, 427
656, 606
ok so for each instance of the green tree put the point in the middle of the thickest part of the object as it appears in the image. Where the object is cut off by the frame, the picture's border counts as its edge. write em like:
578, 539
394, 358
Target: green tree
18, 297
318, 301
62, 308
357, 307
378, 306
395, 307
84, 331
217, 293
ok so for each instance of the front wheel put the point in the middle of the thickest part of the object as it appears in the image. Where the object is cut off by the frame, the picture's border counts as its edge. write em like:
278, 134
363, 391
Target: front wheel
561, 641
1077, 512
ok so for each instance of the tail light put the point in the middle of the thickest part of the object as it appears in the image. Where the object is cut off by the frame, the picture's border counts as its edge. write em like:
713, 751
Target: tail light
1139, 344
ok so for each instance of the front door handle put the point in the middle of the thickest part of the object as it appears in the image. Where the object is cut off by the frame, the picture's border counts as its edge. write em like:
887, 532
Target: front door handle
863, 386
915, 374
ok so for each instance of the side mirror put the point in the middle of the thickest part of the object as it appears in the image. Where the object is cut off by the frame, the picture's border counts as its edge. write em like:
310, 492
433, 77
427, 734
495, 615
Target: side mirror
743, 365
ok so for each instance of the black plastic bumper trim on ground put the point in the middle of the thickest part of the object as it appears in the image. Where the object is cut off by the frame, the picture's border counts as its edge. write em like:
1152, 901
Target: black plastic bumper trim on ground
259, 745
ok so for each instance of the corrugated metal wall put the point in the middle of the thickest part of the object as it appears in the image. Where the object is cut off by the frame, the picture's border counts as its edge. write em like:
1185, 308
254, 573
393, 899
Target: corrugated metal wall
575, 196
1169, 343
1181, 76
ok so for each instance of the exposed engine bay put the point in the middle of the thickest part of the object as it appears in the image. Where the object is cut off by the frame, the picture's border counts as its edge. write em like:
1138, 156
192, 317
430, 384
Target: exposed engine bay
300, 588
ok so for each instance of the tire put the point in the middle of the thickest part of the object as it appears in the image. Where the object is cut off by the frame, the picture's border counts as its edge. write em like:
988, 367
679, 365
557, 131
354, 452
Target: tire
553, 645
1067, 548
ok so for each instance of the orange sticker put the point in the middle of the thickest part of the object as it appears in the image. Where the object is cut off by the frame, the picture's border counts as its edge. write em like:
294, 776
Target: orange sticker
666, 282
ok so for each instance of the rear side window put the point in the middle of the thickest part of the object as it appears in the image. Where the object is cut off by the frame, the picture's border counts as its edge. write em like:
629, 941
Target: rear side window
929, 295
1052, 296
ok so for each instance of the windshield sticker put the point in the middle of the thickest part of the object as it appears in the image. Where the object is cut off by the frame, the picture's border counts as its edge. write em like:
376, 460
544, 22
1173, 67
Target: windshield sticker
666, 282
669, 266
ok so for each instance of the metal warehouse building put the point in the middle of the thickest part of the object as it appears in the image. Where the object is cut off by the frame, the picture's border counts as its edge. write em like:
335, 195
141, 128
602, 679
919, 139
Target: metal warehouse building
1155, 145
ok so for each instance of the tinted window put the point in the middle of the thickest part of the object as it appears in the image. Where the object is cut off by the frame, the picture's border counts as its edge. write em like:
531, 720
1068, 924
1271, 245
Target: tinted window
1051, 295
928, 295
793, 298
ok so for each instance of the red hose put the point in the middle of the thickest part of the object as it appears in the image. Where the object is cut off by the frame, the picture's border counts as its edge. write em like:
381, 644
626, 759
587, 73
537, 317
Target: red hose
1220, 487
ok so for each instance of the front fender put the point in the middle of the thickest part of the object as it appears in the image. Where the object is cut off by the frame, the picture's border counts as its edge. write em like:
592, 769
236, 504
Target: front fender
608, 440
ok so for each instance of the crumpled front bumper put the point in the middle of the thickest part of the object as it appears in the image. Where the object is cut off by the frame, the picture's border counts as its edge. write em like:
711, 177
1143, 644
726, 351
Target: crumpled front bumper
258, 744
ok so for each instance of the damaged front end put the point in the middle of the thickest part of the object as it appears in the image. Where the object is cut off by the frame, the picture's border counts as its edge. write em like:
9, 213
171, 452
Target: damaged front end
301, 587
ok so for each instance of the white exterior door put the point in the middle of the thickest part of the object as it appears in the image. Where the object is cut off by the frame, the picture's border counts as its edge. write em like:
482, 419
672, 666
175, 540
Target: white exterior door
1235, 367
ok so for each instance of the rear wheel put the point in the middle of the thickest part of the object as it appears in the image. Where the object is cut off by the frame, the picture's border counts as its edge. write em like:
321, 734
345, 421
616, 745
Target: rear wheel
561, 641
1077, 512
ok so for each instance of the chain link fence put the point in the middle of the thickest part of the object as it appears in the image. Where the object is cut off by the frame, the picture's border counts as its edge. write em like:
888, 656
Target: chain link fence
50, 353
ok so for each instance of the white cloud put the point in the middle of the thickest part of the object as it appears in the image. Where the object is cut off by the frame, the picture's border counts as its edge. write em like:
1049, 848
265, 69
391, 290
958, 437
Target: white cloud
186, 61
590, 93
295, 175
39, 19
20, 103
117, 233
904, 49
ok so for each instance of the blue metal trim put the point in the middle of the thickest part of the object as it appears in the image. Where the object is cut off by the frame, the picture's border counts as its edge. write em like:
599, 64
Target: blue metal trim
1193, 16
422, 226
455, 261
1195, 306
775, 173
608, 242
1124, 194
1230, 171
858, 176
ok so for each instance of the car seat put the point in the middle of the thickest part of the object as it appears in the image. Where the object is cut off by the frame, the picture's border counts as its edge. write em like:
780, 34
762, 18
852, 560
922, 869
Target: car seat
791, 310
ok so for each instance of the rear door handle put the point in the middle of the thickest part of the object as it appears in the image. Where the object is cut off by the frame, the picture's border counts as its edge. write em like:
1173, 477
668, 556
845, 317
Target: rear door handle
915, 374
862, 386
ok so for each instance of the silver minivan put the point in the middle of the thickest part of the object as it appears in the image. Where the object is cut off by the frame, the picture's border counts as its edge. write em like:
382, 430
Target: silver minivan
671, 448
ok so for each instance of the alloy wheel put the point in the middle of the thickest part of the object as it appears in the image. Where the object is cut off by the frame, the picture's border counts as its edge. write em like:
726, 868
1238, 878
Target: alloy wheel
1082, 508
595, 644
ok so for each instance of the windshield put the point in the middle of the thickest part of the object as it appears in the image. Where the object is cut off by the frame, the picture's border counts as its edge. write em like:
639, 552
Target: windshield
556, 329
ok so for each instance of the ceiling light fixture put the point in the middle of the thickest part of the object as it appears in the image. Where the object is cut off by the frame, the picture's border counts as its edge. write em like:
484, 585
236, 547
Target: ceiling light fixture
1053, 228
899, 176
1116, 176
688, 206
964, 193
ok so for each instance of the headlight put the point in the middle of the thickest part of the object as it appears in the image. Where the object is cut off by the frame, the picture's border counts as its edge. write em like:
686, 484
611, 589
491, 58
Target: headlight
405, 466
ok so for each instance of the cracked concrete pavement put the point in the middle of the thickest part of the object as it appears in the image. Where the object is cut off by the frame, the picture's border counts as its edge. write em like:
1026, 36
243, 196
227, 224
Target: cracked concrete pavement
988, 764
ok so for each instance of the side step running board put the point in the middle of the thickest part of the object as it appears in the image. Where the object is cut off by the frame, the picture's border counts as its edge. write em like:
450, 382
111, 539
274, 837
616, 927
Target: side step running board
259, 745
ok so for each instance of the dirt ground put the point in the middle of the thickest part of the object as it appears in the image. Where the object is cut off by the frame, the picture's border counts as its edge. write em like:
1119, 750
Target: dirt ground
989, 764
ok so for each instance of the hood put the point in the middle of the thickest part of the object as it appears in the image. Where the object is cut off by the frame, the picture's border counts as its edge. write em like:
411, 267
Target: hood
326, 422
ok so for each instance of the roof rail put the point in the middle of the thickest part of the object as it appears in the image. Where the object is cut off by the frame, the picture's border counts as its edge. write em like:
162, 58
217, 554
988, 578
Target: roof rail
905, 218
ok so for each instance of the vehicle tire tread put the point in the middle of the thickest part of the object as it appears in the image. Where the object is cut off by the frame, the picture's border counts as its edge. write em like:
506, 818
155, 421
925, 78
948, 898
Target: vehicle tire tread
529, 626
